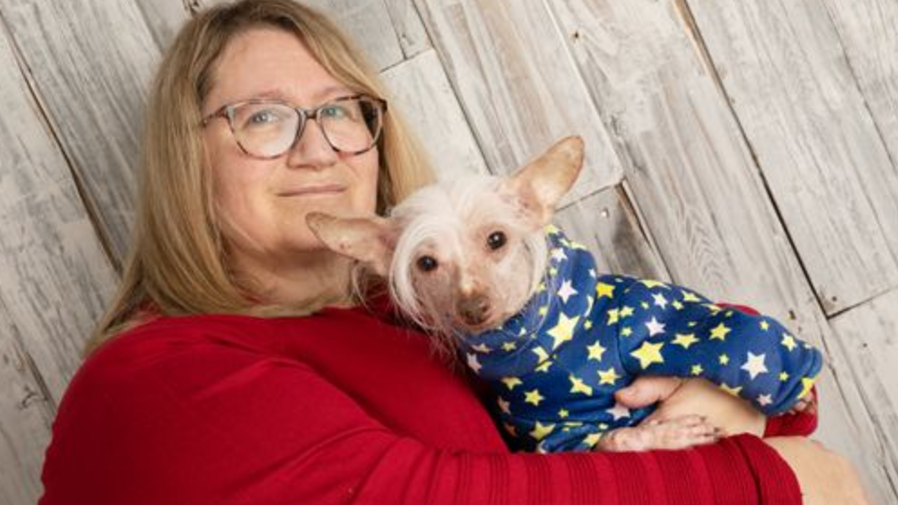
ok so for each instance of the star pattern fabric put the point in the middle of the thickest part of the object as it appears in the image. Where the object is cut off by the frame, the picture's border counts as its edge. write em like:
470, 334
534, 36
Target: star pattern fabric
556, 365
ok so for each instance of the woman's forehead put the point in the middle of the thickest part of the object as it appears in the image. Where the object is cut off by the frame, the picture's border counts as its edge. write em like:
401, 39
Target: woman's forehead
271, 63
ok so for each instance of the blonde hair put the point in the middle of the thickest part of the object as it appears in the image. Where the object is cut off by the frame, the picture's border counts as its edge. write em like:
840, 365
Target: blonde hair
178, 262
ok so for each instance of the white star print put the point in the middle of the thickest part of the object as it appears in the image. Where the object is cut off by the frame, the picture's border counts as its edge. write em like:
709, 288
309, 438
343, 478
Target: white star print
764, 400
619, 411
558, 254
755, 365
566, 290
660, 301
654, 327
473, 364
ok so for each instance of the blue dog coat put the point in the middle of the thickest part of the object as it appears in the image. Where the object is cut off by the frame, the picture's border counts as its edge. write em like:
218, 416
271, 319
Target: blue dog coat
556, 365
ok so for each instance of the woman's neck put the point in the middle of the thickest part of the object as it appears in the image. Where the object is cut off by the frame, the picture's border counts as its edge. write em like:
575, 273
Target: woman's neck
313, 280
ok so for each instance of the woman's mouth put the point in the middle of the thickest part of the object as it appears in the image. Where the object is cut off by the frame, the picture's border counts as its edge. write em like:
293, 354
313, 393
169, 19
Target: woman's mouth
314, 190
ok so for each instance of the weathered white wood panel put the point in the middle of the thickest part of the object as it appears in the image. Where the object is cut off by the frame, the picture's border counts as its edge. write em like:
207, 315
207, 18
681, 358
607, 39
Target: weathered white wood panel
164, 18
868, 34
869, 334
425, 98
368, 23
518, 84
409, 28
92, 62
814, 139
54, 281
694, 179
607, 224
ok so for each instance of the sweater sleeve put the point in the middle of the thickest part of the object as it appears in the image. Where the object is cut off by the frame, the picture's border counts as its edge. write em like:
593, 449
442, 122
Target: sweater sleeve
674, 331
227, 427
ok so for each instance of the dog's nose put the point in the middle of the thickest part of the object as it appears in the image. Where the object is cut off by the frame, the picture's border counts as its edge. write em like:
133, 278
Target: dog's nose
473, 309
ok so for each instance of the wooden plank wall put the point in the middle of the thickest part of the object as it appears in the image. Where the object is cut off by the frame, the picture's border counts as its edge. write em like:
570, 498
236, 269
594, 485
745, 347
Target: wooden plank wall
744, 148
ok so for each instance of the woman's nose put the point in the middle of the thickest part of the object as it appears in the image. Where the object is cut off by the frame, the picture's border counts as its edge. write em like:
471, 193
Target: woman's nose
312, 149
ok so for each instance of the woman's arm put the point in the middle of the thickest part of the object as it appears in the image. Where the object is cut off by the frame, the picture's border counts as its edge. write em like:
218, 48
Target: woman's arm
824, 476
207, 424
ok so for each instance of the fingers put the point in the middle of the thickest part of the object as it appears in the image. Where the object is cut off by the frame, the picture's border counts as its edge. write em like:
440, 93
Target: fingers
647, 390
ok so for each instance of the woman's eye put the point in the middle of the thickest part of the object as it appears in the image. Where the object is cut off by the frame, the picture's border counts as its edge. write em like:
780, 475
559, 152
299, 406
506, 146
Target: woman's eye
335, 112
261, 118
496, 240
427, 263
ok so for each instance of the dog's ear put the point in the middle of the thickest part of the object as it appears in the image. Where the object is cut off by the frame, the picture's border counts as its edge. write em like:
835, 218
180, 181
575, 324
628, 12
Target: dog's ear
370, 240
540, 185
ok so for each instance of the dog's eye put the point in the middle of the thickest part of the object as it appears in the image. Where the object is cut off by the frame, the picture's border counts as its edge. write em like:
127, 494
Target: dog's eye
427, 263
496, 240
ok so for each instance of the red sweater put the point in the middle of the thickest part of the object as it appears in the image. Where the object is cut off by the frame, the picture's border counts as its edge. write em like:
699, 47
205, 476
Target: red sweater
339, 407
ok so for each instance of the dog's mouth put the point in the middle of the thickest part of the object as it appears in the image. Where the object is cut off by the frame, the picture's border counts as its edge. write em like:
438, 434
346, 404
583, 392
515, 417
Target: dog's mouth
476, 324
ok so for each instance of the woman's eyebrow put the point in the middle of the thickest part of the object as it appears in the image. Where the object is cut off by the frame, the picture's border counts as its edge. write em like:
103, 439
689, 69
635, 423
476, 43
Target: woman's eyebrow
319, 97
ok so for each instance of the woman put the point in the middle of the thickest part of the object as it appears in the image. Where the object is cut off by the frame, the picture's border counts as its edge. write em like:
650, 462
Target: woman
235, 365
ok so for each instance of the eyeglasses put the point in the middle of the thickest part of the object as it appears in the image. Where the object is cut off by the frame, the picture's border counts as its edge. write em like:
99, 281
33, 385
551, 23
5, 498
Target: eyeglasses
267, 129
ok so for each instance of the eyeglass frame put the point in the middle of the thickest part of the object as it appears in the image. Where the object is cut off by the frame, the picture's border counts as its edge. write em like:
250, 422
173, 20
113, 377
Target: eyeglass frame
226, 111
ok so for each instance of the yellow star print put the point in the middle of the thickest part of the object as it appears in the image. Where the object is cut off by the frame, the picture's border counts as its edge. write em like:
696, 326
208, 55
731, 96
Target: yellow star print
592, 439
563, 413
789, 342
719, 332
697, 370
806, 384
604, 290
626, 332
649, 353
509, 346
609, 376
564, 330
544, 366
613, 316
784, 377
511, 382
653, 284
578, 386
765, 325
533, 397
724, 359
541, 431
685, 340
626, 312
731, 390
690, 297
596, 351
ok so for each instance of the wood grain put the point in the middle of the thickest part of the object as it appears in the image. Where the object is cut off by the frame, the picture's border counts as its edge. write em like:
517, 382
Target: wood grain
815, 140
54, 280
869, 334
606, 223
424, 97
518, 84
91, 62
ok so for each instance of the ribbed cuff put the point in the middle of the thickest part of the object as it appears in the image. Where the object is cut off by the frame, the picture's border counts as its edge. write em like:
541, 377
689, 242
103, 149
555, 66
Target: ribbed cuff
775, 479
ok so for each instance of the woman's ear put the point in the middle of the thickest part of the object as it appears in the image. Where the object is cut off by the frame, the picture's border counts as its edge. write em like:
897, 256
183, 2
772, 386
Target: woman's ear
370, 240
539, 186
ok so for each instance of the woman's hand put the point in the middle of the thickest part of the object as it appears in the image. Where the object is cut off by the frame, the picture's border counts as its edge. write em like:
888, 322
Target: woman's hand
823, 476
681, 397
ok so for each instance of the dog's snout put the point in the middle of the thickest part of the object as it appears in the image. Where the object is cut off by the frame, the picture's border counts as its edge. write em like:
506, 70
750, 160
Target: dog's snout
473, 309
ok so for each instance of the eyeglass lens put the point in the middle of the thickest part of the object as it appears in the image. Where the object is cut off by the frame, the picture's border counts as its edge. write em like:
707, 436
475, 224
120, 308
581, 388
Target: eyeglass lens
270, 129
